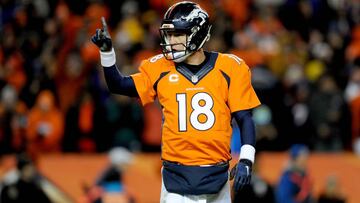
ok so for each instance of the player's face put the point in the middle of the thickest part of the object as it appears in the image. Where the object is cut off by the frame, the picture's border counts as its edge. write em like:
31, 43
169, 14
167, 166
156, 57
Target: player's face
174, 44
178, 40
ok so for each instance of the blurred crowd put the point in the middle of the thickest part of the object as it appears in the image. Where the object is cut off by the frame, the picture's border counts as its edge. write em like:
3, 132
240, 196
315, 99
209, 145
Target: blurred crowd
304, 57
295, 183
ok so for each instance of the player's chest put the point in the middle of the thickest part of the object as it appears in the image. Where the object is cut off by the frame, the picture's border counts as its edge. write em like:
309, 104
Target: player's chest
176, 85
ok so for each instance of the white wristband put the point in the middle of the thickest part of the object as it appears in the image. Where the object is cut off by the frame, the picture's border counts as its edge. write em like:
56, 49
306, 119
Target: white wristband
108, 58
247, 152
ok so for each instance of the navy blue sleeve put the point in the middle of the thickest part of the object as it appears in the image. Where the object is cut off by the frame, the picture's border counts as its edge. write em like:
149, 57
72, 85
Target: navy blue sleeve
118, 83
246, 126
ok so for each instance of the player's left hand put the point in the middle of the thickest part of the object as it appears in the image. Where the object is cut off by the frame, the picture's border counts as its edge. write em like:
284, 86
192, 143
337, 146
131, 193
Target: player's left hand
241, 174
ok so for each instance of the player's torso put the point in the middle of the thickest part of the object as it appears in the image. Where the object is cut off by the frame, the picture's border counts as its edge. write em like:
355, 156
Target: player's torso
196, 128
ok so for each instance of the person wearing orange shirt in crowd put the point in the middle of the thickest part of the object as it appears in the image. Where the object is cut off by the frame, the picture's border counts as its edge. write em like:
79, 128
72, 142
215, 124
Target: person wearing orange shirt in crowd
45, 125
199, 92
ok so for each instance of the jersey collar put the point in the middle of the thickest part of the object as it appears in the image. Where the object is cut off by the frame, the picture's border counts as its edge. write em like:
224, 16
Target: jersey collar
204, 70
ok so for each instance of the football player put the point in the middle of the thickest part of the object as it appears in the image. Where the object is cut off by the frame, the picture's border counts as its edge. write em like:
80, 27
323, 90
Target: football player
200, 92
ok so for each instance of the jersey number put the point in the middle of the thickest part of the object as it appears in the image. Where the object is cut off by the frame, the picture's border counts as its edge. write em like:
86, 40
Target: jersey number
201, 104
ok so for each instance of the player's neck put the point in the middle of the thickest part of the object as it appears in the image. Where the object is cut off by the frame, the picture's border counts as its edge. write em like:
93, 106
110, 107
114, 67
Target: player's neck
196, 58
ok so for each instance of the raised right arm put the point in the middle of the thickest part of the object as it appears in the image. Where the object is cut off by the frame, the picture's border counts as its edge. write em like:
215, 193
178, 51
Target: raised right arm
116, 81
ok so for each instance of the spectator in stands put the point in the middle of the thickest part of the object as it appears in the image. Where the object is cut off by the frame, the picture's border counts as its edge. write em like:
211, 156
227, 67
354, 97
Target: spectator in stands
80, 124
18, 127
326, 109
45, 125
13, 114
352, 96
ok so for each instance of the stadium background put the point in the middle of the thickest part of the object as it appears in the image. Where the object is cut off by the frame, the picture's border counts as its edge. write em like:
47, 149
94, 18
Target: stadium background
55, 106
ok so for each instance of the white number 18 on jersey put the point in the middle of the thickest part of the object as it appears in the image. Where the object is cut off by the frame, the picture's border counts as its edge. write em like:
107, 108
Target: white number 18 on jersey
196, 111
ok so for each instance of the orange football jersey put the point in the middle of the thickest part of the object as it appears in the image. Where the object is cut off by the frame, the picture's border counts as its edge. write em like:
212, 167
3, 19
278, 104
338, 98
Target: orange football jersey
197, 107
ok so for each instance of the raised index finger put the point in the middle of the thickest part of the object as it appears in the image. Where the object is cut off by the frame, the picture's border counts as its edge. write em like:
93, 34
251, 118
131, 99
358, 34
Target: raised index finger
103, 22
